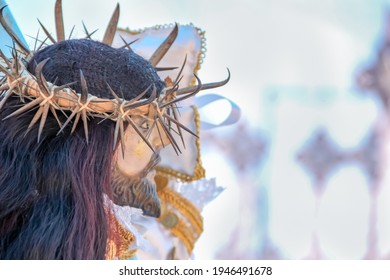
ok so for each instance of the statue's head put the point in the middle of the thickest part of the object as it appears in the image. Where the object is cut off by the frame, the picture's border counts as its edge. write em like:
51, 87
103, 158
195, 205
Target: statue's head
106, 70
81, 124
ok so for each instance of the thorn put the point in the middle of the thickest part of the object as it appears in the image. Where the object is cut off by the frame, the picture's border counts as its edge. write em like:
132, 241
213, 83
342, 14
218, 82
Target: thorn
197, 89
84, 88
116, 132
36, 41
127, 45
139, 96
205, 86
71, 32
75, 123
86, 31
122, 137
169, 135
45, 111
47, 32
164, 47
59, 20
6, 96
67, 122
42, 83
159, 134
5, 59
111, 28
144, 102
180, 125
35, 119
159, 69
43, 42
85, 123
53, 111
178, 79
25, 108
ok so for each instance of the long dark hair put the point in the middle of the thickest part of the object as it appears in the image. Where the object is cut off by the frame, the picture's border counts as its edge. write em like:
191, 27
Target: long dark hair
52, 193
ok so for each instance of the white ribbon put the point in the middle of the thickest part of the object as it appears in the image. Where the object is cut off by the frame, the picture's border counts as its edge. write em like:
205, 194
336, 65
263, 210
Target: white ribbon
232, 118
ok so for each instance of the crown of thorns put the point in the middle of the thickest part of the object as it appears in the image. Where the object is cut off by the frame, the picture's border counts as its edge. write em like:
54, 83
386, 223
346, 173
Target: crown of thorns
35, 92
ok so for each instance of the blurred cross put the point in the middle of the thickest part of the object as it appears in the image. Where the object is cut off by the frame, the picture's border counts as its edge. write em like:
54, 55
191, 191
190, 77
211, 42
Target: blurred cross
320, 157
376, 78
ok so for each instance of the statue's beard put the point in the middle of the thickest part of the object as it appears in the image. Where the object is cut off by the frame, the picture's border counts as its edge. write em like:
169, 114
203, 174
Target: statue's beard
137, 191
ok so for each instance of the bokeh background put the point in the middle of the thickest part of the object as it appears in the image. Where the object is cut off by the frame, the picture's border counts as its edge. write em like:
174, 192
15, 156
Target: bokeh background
305, 169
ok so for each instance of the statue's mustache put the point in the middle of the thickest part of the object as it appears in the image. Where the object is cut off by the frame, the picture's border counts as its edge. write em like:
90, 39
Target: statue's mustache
137, 191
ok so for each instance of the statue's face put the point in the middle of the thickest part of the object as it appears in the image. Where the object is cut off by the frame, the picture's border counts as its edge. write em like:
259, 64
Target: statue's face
133, 183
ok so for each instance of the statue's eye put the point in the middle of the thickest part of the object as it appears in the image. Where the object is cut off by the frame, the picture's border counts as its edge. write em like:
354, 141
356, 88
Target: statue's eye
145, 125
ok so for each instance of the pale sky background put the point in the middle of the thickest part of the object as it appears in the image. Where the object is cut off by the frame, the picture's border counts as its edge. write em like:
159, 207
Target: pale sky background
264, 43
